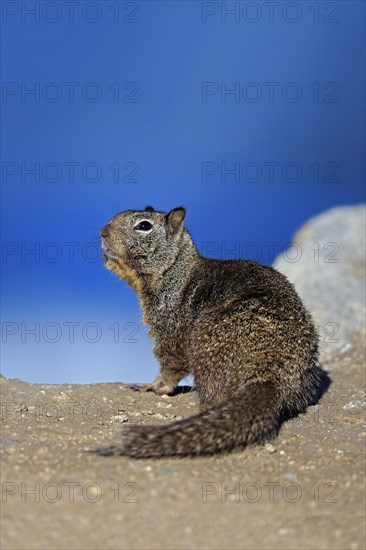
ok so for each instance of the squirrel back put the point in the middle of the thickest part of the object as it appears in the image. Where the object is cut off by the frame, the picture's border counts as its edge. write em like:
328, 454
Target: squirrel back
239, 327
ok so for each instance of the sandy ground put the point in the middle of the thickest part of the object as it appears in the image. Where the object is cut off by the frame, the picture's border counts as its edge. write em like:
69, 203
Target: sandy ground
304, 490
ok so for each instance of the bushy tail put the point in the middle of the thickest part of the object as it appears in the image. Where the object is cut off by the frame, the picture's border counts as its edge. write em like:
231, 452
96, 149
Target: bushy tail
249, 418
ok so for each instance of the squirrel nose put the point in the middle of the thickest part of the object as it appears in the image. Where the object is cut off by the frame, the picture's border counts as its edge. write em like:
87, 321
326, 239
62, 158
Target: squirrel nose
105, 231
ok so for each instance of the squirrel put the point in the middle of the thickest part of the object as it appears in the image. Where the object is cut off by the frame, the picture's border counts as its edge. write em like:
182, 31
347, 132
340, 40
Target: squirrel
237, 326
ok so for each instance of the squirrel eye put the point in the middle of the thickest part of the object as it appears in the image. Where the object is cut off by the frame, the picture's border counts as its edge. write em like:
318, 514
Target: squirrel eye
143, 226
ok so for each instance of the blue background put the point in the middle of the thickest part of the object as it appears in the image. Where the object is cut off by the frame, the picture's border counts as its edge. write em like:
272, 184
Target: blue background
160, 130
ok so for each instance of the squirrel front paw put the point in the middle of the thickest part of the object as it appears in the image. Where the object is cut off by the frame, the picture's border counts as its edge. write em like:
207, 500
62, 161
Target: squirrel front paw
158, 386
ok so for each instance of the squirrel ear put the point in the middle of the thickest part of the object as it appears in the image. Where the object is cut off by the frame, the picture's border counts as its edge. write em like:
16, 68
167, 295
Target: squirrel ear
149, 209
175, 218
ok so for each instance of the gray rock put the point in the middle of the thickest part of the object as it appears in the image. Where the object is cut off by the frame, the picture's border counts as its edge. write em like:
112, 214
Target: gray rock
327, 266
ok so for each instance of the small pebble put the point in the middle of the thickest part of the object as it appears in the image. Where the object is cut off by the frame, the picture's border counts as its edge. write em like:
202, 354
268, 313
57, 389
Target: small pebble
120, 418
353, 404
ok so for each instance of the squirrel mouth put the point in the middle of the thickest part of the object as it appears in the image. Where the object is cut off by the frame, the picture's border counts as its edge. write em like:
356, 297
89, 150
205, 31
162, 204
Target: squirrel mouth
108, 251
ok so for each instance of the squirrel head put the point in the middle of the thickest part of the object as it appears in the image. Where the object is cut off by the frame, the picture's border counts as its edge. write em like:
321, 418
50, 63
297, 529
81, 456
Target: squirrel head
140, 243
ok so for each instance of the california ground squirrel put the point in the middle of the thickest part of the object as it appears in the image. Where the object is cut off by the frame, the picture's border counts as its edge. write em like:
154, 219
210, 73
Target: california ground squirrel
237, 326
